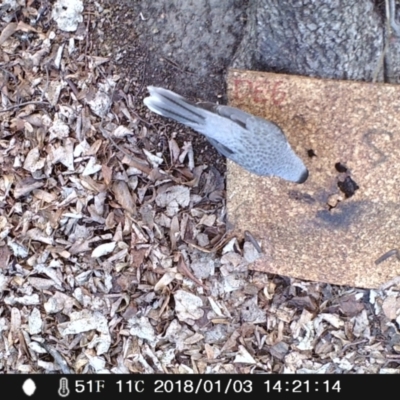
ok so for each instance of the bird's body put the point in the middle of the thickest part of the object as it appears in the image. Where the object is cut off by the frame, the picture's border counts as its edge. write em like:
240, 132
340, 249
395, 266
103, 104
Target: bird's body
252, 142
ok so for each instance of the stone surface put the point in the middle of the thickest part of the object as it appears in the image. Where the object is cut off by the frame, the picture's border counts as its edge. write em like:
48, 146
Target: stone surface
190, 43
319, 38
346, 215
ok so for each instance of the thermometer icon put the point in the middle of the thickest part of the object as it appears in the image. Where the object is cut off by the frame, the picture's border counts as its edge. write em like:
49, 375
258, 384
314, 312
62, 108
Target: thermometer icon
63, 390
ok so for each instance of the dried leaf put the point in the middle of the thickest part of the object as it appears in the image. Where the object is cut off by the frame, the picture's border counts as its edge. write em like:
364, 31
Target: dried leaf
8, 30
103, 250
124, 197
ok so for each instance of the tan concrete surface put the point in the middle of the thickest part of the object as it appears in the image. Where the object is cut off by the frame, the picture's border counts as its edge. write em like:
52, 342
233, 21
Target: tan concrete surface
312, 231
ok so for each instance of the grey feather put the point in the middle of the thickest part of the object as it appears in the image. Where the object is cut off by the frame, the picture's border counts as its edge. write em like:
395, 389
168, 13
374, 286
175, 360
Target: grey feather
254, 143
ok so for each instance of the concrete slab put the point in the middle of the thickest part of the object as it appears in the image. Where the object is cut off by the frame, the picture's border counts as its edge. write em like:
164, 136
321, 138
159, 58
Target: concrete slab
346, 216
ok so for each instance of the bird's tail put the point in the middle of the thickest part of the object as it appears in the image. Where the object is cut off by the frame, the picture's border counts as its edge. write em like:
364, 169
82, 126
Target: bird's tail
171, 105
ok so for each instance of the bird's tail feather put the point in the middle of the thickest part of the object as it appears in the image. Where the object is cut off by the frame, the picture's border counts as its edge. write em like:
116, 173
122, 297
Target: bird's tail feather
171, 105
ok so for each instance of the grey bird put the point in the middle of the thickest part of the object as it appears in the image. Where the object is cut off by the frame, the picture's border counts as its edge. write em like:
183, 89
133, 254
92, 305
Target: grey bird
256, 144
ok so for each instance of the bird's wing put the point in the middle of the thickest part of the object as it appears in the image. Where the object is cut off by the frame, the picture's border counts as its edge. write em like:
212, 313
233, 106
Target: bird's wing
225, 151
234, 114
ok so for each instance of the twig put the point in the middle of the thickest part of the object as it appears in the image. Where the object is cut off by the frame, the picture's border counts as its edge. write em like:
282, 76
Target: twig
25, 104
345, 347
390, 253
250, 238
175, 65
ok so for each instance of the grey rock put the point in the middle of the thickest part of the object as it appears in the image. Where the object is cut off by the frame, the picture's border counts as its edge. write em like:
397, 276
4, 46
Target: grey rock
321, 38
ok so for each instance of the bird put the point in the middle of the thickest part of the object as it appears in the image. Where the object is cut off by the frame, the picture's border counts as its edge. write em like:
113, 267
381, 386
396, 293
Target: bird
257, 145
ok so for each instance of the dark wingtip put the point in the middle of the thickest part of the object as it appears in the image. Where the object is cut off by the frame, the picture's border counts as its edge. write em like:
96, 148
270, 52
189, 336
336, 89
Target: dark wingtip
303, 177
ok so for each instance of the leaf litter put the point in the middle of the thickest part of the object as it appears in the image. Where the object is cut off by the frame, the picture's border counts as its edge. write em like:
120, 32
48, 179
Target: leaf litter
115, 256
